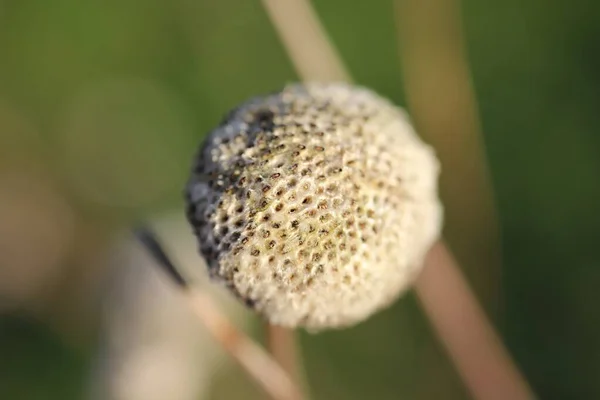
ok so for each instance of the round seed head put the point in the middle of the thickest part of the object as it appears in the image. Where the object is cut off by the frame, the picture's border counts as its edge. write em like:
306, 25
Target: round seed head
316, 204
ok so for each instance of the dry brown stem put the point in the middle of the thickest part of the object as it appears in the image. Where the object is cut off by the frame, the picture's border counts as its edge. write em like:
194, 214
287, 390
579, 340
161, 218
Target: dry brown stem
282, 344
257, 363
305, 40
476, 351
442, 103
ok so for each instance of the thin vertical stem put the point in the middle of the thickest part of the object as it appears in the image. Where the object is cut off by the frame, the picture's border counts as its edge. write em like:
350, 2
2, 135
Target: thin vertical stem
305, 40
442, 103
283, 345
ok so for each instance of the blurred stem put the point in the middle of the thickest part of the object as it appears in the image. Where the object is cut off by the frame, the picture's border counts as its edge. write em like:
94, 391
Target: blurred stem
257, 363
283, 346
266, 371
305, 40
442, 102
477, 352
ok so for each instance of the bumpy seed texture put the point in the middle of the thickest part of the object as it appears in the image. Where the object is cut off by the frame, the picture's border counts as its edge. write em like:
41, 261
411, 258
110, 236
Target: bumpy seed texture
316, 204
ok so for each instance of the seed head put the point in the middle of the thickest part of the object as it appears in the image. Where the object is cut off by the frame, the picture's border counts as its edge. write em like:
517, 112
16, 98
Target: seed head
316, 204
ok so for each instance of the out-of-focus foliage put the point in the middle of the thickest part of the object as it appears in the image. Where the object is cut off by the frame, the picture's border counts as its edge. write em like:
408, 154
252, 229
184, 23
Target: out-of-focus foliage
105, 103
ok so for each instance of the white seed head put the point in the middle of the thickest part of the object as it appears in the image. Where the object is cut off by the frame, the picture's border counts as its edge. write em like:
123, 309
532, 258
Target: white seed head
316, 204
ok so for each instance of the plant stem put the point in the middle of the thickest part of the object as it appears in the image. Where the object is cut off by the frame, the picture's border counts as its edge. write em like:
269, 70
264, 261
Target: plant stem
257, 363
442, 103
476, 351
305, 40
282, 344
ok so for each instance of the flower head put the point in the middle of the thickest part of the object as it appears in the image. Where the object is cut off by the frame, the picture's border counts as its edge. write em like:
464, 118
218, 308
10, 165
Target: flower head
315, 204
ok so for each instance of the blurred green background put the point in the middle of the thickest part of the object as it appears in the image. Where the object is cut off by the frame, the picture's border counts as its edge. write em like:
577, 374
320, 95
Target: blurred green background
102, 105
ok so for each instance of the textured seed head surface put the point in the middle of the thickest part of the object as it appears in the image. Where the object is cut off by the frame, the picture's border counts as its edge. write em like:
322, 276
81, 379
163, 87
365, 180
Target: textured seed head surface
316, 204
